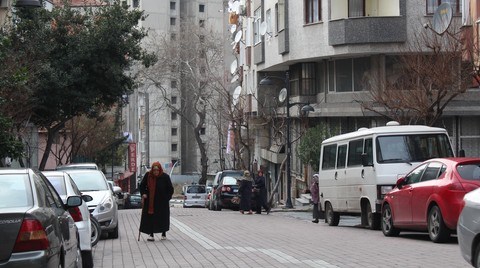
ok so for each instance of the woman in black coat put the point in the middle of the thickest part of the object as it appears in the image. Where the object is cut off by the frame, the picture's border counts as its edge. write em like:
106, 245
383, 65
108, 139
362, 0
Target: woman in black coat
245, 192
157, 190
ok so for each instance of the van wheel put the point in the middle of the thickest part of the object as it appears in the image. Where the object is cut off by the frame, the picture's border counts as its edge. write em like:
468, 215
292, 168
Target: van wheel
332, 218
114, 233
87, 259
437, 230
373, 219
218, 207
387, 222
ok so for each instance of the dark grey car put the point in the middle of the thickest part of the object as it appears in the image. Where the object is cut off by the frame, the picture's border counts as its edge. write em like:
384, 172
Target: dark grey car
35, 227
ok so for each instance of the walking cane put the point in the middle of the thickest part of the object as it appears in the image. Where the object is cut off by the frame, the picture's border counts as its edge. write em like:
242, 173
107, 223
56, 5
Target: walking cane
141, 211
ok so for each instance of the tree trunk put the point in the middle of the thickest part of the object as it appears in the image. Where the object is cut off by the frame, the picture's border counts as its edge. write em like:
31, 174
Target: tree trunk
51, 132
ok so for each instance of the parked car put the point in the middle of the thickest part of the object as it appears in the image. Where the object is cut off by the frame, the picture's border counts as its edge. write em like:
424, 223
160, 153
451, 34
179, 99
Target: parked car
225, 188
78, 166
103, 206
65, 187
468, 228
194, 196
430, 197
37, 229
133, 201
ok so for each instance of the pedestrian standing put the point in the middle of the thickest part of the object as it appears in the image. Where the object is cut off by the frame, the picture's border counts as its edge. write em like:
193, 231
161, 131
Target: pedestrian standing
245, 192
260, 191
315, 198
157, 190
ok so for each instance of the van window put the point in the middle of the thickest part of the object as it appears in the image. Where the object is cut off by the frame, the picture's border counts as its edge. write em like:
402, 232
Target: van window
355, 150
329, 156
412, 148
342, 156
368, 150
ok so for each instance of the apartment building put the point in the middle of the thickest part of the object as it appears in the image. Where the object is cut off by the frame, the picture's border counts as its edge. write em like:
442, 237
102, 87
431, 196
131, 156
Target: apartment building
161, 134
327, 47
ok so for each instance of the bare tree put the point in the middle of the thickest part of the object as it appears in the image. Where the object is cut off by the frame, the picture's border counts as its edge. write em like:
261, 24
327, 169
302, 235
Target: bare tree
423, 80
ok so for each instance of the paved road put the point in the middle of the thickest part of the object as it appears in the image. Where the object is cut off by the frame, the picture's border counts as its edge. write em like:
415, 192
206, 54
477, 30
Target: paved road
202, 238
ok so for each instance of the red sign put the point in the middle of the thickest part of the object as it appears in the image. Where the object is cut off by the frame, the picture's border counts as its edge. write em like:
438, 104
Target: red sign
132, 157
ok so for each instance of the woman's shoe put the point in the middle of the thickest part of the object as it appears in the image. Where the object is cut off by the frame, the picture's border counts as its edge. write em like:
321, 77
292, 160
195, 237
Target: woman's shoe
151, 238
163, 238
241, 211
250, 212
315, 221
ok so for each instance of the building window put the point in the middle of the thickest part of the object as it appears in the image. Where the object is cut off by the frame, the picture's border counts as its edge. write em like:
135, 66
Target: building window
174, 116
201, 38
173, 36
202, 131
280, 8
136, 3
256, 26
356, 8
174, 100
433, 4
201, 8
173, 83
173, 21
348, 75
172, 5
201, 23
174, 131
174, 147
303, 79
313, 11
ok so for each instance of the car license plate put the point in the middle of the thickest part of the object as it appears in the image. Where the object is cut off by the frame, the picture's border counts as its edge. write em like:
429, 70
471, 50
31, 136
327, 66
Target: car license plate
235, 190
195, 196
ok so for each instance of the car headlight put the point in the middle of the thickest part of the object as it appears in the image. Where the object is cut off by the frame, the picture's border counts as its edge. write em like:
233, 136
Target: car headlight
106, 205
385, 189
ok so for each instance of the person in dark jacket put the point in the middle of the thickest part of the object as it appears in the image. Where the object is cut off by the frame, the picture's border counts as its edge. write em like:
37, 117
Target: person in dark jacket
315, 198
245, 192
156, 189
260, 191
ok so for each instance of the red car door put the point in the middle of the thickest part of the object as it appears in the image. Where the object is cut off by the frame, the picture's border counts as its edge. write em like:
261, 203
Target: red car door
402, 198
422, 191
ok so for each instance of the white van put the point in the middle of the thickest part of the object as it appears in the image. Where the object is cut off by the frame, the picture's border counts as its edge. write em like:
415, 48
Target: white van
357, 169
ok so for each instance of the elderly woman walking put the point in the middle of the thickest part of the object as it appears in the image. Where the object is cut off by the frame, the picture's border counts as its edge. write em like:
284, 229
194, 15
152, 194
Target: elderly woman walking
245, 192
157, 190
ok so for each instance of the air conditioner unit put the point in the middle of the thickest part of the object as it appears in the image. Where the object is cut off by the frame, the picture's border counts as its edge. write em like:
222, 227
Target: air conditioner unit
4, 3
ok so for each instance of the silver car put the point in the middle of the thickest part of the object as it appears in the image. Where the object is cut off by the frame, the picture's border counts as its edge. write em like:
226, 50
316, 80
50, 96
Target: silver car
65, 187
194, 196
468, 228
103, 206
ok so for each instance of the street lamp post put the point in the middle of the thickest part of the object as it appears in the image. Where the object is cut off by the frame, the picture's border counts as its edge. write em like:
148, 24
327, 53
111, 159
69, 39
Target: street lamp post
306, 108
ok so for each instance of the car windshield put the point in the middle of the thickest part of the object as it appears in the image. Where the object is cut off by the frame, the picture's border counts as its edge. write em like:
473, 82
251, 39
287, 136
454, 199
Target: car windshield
58, 183
89, 181
412, 148
470, 171
14, 191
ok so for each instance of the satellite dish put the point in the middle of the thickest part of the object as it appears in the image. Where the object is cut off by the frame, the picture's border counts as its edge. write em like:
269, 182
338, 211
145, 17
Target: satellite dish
442, 18
236, 94
263, 28
235, 78
282, 95
233, 28
238, 36
233, 67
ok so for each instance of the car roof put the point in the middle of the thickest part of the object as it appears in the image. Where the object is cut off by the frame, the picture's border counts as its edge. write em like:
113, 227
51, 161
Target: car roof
78, 166
15, 170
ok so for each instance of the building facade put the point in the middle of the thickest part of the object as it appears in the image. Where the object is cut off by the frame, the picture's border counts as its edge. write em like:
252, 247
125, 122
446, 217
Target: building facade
327, 48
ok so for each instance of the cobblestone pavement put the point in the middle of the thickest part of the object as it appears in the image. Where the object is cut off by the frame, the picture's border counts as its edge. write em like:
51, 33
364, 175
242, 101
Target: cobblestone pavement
202, 238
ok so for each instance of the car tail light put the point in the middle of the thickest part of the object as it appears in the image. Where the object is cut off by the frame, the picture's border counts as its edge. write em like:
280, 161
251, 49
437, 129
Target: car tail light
225, 189
76, 214
184, 197
31, 237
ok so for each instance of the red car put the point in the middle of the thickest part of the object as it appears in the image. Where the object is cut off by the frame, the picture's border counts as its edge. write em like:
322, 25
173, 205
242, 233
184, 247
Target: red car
430, 197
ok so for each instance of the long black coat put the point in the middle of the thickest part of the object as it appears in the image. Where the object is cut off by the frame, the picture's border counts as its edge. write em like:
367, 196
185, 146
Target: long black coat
245, 192
159, 221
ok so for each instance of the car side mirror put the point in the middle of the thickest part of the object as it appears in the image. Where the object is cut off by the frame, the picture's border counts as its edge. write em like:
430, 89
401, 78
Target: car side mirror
400, 183
74, 201
117, 189
87, 198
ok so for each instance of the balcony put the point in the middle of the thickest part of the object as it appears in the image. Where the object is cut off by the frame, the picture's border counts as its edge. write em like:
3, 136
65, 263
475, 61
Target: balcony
367, 30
